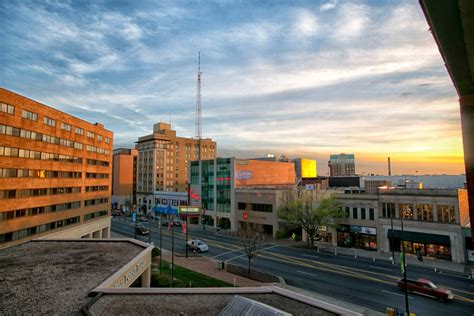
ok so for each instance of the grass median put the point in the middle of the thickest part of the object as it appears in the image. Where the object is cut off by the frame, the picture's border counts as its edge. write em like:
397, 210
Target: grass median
183, 278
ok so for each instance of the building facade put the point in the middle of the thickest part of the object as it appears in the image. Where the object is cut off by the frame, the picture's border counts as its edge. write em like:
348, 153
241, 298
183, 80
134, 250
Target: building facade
124, 177
55, 173
218, 182
431, 219
163, 159
341, 165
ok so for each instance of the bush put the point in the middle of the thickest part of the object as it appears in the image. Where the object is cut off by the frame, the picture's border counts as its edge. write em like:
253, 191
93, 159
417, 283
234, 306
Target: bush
155, 252
281, 234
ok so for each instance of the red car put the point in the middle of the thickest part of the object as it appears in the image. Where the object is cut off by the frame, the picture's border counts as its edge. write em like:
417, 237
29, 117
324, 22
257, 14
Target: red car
426, 287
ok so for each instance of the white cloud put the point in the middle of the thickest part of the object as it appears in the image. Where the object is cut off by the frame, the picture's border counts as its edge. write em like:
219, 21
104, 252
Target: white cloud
306, 23
351, 21
328, 5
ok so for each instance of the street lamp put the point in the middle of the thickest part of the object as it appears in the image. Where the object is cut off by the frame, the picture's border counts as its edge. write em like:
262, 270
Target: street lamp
392, 239
403, 262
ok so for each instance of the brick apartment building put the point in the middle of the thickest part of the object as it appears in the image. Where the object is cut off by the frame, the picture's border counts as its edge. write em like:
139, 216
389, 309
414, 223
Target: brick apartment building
55, 173
124, 177
163, 162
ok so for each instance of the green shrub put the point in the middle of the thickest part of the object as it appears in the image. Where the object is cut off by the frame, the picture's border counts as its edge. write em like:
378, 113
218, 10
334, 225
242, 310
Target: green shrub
155, 252
280, 234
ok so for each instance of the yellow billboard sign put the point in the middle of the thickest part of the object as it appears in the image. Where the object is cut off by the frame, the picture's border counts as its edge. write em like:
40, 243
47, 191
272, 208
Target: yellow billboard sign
308, 168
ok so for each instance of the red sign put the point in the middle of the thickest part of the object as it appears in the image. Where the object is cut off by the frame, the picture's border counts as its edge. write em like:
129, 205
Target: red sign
245, 216
184, 228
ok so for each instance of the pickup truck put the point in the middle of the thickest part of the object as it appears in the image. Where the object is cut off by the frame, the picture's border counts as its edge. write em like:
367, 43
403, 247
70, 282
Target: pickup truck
426, 287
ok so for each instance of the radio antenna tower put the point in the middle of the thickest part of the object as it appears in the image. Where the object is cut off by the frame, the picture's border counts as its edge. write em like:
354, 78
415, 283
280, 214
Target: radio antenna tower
198, 104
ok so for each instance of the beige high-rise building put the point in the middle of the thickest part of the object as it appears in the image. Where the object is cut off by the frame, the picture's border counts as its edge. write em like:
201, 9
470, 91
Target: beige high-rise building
55, 173
163, 160
124, 177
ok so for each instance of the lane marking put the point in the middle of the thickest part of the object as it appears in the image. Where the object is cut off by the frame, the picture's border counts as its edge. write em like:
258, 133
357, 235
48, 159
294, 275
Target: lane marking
398, 294
310, 256
375, 267
312, 274
244, 254
225, 253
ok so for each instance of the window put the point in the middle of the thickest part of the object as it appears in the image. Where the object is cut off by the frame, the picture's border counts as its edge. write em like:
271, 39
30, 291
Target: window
348, 210
406, 211
7, 108
241, 206
362, 213
49, 121
29, 115
99, 138
388, 210
79, 131
90, 134
424, 212
371, 214
354, 212
446, 214
77, 145
65, 126
107, 140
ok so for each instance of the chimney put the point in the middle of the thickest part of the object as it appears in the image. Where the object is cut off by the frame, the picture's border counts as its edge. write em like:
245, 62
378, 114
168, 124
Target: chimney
389, 168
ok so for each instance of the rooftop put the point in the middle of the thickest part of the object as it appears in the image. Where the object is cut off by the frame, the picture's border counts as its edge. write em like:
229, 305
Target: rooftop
55, 277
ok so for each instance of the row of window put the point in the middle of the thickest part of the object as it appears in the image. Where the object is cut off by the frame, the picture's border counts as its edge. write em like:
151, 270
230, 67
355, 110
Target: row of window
256, 207
421, 212
10, 109
33, 211
95, 188
26, 232
363, 213
32, 154
29, 173
93, 215
24, 193
19, 132
14, 131
91, 175
96, 162
99, 150
7, 108
96, 201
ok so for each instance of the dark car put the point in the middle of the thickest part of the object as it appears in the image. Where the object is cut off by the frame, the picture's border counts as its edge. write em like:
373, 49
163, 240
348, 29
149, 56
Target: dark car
426, 287
142, 230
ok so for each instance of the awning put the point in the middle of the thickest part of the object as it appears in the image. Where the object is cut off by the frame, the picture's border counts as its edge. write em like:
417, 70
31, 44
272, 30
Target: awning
420, 237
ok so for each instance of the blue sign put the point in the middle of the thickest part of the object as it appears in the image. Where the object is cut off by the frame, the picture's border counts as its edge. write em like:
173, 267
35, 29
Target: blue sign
134, 217
168, 210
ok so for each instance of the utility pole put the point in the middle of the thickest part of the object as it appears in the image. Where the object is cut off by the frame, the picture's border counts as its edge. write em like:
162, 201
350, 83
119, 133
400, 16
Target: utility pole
172, 251
404, 267
161, 240
189, 203
392, 239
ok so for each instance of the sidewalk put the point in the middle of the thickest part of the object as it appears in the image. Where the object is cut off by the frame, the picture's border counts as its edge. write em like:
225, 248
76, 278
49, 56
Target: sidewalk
428, 263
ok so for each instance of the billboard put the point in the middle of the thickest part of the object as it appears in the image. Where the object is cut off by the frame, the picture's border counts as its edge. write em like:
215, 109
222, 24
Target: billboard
258, 172
308, 168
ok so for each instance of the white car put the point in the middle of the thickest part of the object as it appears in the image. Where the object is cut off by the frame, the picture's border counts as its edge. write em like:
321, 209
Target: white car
198, 245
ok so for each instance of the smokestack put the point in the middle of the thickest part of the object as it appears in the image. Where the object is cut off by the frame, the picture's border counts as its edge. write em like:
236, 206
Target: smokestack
389, 168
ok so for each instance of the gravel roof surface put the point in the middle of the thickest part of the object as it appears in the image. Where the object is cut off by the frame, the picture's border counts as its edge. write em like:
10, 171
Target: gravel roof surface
55, 277
191, 304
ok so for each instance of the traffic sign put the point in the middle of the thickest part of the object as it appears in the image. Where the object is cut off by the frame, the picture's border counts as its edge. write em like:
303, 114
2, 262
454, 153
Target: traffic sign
245, 215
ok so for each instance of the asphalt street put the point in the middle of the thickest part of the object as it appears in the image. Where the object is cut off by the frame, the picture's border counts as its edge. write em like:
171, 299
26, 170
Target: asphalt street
358, 281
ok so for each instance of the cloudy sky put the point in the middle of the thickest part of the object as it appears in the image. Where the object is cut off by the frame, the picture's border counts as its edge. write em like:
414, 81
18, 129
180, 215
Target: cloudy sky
300, 78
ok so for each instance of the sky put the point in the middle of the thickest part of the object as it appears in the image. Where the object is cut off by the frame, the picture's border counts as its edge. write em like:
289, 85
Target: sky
299, 78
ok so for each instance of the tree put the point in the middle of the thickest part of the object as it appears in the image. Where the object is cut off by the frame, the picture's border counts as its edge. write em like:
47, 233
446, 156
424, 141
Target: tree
249, 238
310, 210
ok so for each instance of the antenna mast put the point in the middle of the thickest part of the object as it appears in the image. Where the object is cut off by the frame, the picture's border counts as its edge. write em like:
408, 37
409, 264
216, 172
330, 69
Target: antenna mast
198, 103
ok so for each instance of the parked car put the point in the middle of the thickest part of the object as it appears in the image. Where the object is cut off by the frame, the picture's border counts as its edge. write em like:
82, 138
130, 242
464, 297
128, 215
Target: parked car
141, 230
426, 287
198, 245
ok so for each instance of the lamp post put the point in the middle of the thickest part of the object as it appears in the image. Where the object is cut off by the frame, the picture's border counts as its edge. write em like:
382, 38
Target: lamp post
392, 239
161, 241
403, 263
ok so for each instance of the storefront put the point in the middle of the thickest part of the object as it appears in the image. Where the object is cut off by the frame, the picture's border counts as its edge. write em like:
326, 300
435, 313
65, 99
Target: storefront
354, 236
430, 245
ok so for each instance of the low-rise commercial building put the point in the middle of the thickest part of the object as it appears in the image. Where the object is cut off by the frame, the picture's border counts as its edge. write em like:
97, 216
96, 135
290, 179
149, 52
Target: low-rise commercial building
217, 182
55, 173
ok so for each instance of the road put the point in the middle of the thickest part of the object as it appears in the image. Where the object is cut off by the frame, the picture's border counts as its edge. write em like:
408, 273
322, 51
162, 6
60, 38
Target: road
358, 281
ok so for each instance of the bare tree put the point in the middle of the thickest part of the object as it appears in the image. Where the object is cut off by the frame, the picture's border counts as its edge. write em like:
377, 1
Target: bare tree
249, 238
310, 211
